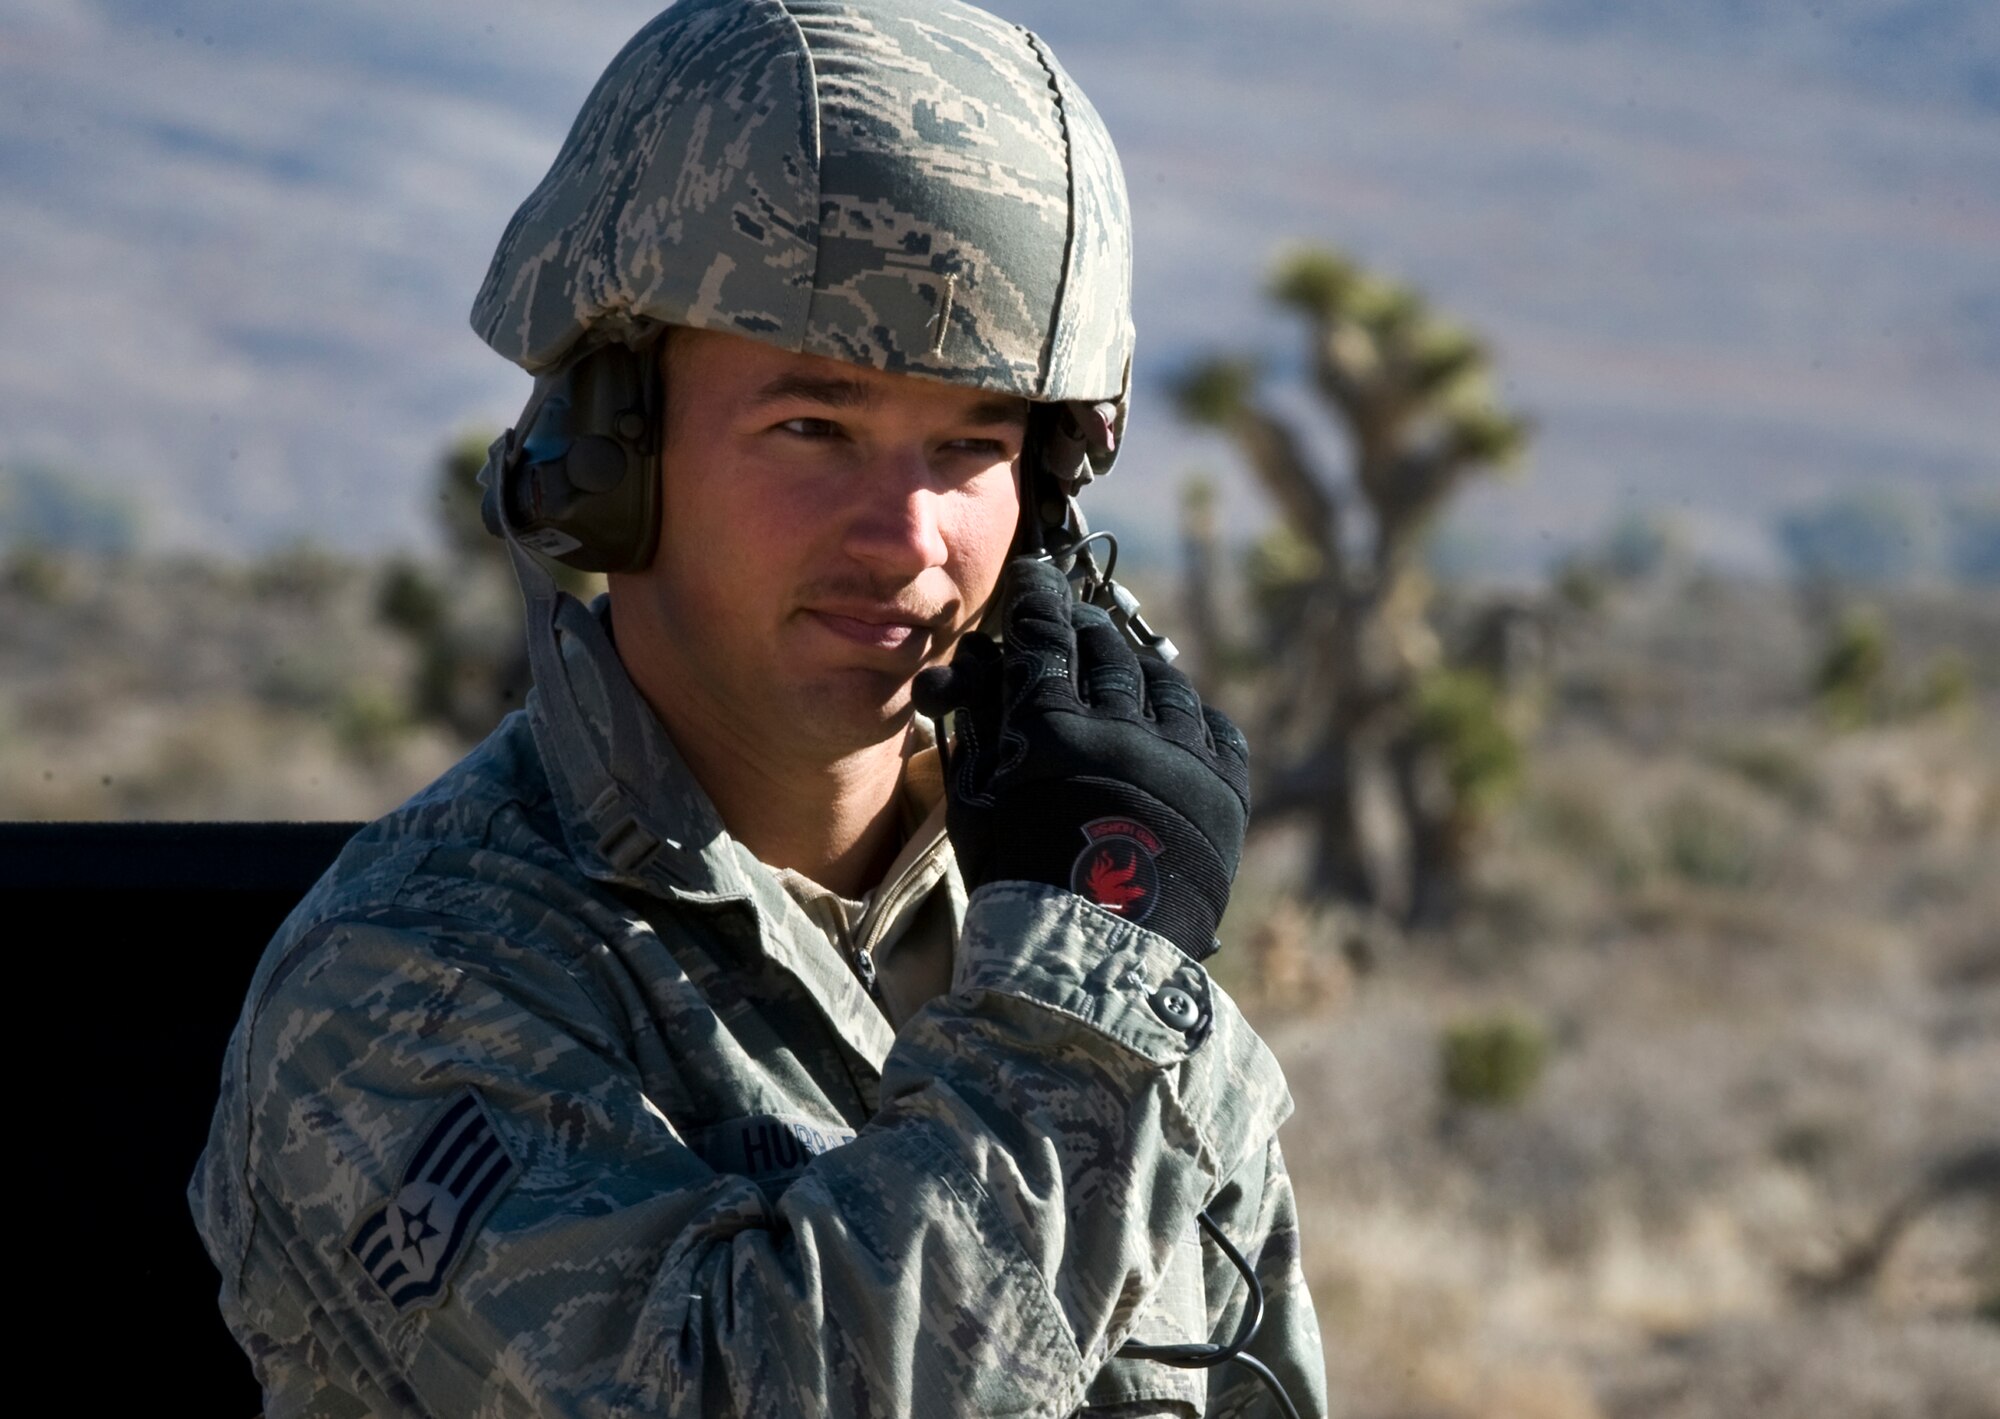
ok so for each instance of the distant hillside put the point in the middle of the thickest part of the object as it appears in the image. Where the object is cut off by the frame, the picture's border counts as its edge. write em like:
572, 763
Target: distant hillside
1734, 257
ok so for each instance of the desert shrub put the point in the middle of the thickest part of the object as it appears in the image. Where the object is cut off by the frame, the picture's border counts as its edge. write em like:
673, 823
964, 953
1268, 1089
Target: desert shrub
1946, 687
302, 572
1492, 1061
1854, 688
311, 678
1580, 584
1577, 823
368, 719
1848, 682
36, 574
1782, 768
1806, 1144
459, 614
408, 600
1703, 842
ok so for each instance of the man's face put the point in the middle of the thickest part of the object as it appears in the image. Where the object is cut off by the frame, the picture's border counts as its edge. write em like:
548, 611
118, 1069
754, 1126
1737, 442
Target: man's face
827, 531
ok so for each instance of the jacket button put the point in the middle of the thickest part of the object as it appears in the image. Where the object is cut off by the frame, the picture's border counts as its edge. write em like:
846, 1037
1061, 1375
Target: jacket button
1176, 1007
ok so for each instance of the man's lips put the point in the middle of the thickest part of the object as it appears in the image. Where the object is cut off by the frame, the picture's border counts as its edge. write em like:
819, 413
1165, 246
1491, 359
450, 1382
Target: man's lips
883, 628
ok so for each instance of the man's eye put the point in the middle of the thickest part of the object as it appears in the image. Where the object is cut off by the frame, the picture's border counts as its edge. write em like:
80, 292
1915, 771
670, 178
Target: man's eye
985, 447
811, 428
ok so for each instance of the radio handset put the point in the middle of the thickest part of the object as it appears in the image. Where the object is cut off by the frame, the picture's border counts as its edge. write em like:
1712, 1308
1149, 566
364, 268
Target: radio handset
1061, 536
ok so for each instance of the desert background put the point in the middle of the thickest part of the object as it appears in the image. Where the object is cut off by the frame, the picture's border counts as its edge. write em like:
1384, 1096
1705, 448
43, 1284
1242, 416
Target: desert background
1642, 1002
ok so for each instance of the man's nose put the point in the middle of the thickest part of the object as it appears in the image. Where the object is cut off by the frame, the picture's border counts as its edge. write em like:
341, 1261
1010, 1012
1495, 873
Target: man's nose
896, 526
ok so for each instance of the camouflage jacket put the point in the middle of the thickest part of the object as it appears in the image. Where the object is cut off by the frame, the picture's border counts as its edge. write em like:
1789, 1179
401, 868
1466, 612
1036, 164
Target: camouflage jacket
549, 1100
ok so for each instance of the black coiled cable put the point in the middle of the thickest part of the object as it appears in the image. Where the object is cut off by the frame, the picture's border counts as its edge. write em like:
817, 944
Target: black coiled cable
1205, 1357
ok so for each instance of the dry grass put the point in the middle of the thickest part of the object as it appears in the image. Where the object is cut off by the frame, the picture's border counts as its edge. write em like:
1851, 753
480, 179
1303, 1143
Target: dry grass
178, 690
1768, 958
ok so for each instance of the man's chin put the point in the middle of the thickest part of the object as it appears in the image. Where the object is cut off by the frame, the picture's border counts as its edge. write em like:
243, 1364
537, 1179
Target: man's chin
854, 709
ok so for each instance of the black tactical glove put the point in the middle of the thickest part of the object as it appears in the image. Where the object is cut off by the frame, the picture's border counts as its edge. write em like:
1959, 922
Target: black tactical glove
1079, 764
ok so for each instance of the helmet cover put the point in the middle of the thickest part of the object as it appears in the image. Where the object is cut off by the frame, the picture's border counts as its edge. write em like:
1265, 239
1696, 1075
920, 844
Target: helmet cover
909, 185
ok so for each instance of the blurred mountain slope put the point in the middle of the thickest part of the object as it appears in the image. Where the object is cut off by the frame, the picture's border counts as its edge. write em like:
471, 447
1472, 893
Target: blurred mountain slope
1732, 255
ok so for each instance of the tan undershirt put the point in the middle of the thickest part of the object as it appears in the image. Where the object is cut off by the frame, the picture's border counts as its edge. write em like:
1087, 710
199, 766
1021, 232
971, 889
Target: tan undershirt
905, 922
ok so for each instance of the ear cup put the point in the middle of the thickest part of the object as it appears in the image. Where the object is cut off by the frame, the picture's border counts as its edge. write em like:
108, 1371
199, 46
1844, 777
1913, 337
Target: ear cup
582, 484
596, 464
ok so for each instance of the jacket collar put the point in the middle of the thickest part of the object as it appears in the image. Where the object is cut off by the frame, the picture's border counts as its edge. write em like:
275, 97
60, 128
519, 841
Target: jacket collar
632, 812
633, 816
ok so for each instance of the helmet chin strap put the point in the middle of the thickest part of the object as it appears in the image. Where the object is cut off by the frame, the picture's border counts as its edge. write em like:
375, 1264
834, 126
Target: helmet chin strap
549, 613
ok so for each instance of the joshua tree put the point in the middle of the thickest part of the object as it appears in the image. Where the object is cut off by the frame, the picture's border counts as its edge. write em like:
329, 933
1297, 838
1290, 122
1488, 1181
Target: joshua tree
461, 612
1340, 583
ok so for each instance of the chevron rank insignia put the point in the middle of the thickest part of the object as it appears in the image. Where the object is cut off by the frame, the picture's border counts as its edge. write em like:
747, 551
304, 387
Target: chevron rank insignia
410, 1244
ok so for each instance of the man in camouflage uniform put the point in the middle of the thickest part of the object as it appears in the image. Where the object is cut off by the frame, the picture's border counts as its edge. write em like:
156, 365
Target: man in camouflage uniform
694, 1047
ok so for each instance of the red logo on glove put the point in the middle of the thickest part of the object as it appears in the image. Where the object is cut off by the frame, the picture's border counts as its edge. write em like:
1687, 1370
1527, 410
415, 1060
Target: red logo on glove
1115, 868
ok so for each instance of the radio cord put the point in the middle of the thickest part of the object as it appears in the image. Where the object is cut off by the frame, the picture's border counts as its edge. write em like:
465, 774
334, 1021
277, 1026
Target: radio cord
1204, 1357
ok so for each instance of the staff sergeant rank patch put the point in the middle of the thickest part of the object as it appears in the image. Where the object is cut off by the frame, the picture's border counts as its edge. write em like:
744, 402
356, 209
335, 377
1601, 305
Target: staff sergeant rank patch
409, 1245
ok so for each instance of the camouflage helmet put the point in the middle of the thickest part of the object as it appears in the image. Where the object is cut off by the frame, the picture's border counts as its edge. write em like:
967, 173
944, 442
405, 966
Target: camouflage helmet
909, 185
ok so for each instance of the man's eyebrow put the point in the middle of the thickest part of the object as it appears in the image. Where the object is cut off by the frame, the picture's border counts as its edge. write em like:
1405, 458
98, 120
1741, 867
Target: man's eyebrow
837, 392
830, 390
988, 413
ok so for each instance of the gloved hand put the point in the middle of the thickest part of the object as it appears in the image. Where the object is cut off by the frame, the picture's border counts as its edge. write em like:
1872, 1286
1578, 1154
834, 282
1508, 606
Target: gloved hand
1079, 764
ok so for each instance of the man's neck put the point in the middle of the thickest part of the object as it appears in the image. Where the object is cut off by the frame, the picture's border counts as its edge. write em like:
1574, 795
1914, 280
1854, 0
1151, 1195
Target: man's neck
835, 820
837, 823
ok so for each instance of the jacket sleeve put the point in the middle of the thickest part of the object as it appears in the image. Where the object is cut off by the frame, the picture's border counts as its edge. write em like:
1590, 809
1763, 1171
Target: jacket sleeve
1047, 1132
1258, 1211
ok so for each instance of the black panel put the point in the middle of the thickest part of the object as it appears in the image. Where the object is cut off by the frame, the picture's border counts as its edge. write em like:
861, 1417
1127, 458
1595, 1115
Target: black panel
139, 941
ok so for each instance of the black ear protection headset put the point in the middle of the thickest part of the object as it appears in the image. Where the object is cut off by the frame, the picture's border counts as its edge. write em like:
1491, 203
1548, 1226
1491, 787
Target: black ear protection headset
582, 485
